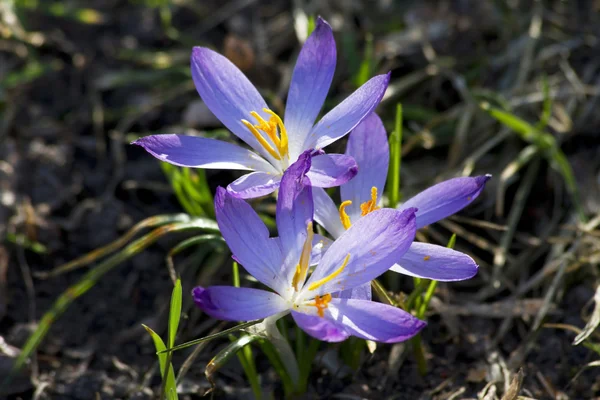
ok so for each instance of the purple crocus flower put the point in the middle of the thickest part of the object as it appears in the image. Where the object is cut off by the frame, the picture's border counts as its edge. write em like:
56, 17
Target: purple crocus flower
277, 143
368, 145
357, 256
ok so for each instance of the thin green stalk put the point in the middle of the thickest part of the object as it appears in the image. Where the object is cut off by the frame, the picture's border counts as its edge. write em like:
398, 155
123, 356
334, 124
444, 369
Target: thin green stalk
421, 307
395, 160
419, 354
269, 349
245, 355
236, 274
246, 359
382, 293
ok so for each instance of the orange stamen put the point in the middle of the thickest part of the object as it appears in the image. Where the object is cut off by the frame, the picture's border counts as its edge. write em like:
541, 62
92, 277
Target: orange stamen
371, 205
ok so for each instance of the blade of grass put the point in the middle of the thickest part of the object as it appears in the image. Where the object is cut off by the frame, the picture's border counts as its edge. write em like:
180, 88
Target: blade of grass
245, 356
169, 384
90, 278
213, 336
547, 144
174, 316
175, 312
395, 161
224, 356
193, 241
93, 255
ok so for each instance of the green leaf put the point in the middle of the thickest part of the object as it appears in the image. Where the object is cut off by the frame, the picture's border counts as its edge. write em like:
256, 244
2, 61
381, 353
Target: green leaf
170, 384
311, 25
93, 276
225, 355
211, 337
175, 312
395, 161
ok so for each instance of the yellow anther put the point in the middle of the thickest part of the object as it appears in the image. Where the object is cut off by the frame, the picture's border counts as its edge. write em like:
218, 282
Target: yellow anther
302, 267
283, 146
371, 205
321, 303
261, 140
329, 277
343, 216
270, 127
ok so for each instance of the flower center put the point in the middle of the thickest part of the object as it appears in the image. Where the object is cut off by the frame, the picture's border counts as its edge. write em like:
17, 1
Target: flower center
365, 208
276, 140
302, 270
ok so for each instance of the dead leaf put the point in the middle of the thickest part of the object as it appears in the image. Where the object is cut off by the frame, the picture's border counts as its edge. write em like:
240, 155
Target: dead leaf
515, 386
592, 323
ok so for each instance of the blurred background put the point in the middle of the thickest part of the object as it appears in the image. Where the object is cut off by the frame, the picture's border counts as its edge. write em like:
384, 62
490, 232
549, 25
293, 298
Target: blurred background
509, 88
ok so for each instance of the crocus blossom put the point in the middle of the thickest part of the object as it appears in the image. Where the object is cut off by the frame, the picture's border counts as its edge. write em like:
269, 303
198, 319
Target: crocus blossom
361, 196
276, 143
357, 256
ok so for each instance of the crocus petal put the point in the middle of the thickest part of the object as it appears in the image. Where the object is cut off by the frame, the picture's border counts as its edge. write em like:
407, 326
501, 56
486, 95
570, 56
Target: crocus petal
445, 198
326, 213
343, 118
227, 93
238, 304
320, 328
424, 260
309, 86
255, 184
248, 239
368, 145
198, 152
330, 170
373, 321
294, 212
362, 292
374, 243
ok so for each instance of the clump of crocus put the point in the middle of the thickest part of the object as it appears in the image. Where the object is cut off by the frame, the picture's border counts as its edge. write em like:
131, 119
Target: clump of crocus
361, 253
277, 142
368, 145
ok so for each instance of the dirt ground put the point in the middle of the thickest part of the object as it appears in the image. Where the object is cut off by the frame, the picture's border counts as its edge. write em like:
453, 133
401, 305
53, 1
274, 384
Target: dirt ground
80, 80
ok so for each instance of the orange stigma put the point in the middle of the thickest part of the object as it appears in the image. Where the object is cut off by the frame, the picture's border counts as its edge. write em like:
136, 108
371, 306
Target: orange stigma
277, 145
371, 205
321, 303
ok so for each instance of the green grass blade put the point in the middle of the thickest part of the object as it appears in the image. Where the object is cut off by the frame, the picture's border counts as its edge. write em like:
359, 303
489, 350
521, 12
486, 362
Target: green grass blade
395, 160
213, 336
546, 143
93, 255
311, 25
175, 312
246, 358
89, 280
170, 386
365, 70
225, 355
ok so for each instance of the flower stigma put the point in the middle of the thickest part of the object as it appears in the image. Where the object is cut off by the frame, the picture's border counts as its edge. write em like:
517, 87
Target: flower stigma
275, 131
321, 304
371, 205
